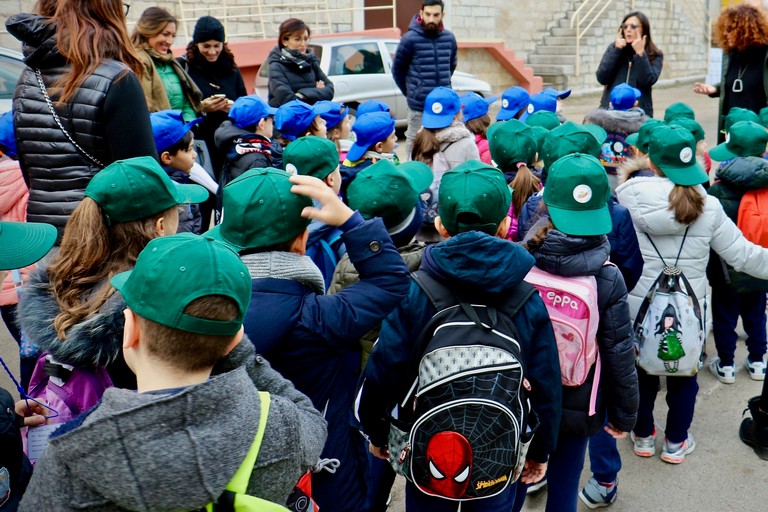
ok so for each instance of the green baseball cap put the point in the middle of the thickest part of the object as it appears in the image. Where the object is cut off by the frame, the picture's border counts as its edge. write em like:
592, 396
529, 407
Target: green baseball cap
23, 243
745, 138
763, 115
672, 149
389, 191
543, 118
510, 143
577, 195
573, 138
641, 137
478, 190
679, 110
539, 134
737, 114
311, 156
260, 210
691, 125
173, 271
137, 188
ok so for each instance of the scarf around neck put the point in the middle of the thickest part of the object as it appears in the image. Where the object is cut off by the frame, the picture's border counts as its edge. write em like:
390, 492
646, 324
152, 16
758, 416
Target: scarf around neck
295, 56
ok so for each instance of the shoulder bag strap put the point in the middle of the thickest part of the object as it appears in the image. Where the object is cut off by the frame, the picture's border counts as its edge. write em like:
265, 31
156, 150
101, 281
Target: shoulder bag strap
58, 121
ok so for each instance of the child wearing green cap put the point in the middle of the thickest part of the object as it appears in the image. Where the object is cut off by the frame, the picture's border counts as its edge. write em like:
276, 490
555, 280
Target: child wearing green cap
475, 260
312, 338
239, 429
735, 294
571, 242
69, 309
671, 211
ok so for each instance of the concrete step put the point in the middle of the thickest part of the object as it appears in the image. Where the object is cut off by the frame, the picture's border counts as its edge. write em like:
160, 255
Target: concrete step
570, 32
554, 50
535, 59
559, 41
544, 70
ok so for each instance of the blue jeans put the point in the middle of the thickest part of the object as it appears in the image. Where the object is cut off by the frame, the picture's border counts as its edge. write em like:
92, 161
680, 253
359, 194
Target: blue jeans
417, 501
727, 306
681, 399
604, 457
381, 477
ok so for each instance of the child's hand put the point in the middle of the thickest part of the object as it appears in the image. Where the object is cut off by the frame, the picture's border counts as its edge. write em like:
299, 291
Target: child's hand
615, 433
381, 452
32, 412
333, 211
533, 472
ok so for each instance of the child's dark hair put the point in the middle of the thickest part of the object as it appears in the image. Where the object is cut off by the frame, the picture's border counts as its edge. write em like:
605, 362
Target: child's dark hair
182, 145
189, 351
425, 145
479, 125
537, 239
524, 186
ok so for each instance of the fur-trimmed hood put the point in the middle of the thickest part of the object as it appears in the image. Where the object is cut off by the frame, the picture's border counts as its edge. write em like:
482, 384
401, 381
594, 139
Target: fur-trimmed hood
450, 134
626, 121
633, 168
96, 341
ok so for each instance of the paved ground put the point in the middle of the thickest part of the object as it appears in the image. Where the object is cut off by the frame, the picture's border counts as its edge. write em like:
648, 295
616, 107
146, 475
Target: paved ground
722, 474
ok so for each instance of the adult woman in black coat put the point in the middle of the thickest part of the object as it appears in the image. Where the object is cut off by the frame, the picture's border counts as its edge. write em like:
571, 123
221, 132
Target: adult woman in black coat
294, 70
211, 65
631, 58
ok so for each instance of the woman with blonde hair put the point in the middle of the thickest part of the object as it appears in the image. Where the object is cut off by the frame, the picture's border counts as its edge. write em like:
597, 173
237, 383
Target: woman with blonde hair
76, 101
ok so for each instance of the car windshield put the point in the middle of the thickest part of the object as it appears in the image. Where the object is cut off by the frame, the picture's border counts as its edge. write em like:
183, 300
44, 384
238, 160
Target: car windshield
356, 59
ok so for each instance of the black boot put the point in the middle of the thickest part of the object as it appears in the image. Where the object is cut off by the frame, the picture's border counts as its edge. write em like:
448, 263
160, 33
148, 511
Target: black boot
754, 430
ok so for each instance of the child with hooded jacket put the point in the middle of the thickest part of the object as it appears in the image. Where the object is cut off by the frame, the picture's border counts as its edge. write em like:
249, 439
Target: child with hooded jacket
571, 242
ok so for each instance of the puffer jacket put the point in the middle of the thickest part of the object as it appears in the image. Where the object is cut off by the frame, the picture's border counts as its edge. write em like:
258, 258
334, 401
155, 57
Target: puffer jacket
618, 392
244, 150
622, 65
423, 61
190, 217
625, 251
480, 266
733, 180
617, 121
483, 148
287, 78
647, 200
13, 208
108, 105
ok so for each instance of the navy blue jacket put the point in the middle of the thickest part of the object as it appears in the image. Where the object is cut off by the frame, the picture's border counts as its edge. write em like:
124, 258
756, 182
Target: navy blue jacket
423, 61
483, 264
625, 251
618, 390
190, 217
313, 341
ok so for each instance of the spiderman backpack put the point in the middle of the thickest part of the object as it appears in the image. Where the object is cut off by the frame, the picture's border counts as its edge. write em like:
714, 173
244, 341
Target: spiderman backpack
464, 429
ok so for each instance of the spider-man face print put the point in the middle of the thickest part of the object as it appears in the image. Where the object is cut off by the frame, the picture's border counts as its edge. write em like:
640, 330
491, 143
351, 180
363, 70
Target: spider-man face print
450, 462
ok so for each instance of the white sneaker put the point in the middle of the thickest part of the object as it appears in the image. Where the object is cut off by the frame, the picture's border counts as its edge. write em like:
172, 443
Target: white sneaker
756, 370
677, 455
644, 446
725, 374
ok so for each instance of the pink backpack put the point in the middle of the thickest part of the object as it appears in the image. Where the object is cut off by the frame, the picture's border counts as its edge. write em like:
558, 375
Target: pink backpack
572, 306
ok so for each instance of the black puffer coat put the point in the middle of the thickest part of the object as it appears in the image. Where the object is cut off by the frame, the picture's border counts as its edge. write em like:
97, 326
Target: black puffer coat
618, 393
107, 117
623, 65
287, 78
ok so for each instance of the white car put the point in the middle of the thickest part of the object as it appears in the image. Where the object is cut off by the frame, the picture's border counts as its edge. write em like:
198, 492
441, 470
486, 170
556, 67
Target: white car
361, 69
11, 66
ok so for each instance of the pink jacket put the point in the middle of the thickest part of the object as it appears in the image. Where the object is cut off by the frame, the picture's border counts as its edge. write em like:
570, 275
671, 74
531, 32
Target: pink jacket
13, 207
483, 148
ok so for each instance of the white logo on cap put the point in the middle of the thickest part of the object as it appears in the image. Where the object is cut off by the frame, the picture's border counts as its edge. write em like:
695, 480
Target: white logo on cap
686, 155
291, 169
437, 108
618, 147
530, 108
582, 194
505, 103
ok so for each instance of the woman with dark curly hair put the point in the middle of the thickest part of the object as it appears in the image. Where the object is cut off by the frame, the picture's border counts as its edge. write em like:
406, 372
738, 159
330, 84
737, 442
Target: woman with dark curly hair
633, 59
211, 65
742, 32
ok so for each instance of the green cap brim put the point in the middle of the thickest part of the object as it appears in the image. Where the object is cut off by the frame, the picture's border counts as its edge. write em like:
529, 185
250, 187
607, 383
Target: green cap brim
583, 222
215, 234
721, 153
23, 243
119, 280
632, 139
190, 194
598, 132
420, 175
686, 176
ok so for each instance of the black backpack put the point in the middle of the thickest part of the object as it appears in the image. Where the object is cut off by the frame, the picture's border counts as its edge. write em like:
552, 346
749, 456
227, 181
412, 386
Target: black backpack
15, 469
463, 430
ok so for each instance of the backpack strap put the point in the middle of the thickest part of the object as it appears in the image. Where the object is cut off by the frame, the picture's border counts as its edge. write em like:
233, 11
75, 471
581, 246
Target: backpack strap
679, 251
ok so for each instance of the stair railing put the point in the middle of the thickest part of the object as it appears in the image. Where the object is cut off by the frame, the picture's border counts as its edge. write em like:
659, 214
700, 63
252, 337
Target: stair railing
583, 19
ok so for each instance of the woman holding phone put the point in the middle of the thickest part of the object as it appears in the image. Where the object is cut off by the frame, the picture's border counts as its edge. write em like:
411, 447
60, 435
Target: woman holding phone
633, 59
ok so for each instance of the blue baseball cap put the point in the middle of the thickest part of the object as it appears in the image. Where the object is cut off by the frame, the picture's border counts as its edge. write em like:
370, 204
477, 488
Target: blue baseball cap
624, 96
561, 95
370, 128
168, 128
475, 105
7, 137
372, 106
249, 110
294, 118
540, 101
440, 107
513, 100
333, 112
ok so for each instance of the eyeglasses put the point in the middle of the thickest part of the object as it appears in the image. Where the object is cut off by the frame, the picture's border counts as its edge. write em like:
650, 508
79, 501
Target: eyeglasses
630, 25
127, 8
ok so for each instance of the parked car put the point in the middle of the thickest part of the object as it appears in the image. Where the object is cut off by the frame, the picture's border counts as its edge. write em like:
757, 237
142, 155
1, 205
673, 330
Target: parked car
11, 66
361, 69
